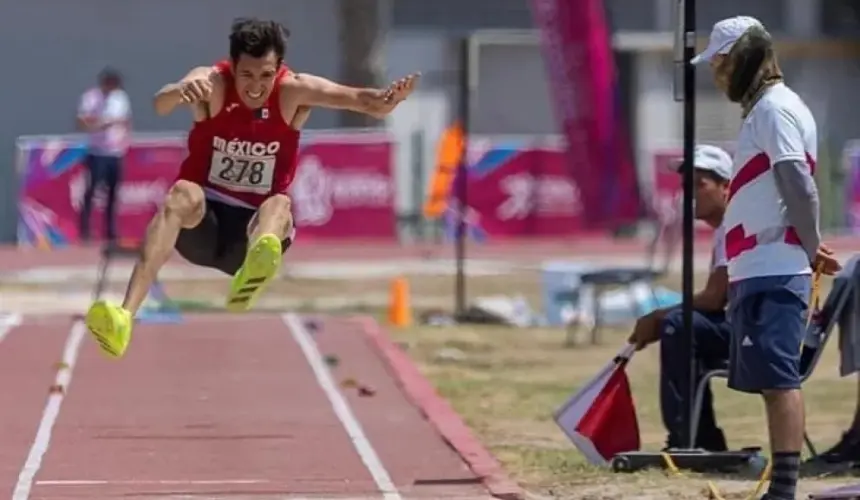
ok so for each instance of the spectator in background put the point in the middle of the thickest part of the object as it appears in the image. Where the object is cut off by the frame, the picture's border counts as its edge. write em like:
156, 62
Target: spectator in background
104, 113
712, 171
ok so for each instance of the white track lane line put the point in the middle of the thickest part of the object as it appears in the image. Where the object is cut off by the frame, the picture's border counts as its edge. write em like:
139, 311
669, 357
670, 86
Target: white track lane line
7, 323
341, 408
165, 482
49, 414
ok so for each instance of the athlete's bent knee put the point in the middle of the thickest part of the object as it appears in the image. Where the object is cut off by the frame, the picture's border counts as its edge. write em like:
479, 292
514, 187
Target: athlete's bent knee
279, 203
275, 214
185, 201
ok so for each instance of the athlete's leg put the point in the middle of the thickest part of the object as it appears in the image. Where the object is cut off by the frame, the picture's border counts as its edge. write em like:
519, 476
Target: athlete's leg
275, 216
184, 207
271, 225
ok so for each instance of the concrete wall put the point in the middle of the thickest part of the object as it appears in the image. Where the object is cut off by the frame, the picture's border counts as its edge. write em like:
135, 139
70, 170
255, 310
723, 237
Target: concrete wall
54, 49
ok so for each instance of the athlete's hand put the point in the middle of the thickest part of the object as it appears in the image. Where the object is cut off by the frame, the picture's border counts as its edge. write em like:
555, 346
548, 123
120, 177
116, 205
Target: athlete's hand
826, 261
195, 90
400, 89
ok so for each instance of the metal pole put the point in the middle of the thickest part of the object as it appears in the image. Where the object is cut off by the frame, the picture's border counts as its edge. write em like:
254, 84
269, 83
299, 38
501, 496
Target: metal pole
461, 187
689, 7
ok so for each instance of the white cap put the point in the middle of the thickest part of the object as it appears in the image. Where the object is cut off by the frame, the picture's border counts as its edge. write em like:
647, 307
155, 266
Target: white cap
712, 159
724, 35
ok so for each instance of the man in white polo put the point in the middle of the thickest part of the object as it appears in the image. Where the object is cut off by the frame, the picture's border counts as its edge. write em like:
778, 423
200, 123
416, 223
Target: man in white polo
772, 234
104, 113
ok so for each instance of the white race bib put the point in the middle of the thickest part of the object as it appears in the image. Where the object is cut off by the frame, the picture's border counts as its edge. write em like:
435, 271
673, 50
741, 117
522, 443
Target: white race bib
248, 174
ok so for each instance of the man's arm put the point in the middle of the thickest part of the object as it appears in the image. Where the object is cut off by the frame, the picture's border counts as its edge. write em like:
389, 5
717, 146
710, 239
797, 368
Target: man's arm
711, 298
783, 143
87, 124
714, 296
85, 119
117, 111
171, 95
312, 90
800, 196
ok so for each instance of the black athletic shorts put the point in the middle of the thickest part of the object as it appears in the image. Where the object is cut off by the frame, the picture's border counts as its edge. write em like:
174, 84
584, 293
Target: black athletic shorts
221, 239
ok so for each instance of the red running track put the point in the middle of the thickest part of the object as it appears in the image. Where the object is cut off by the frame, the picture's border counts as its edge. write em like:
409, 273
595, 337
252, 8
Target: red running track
226, 407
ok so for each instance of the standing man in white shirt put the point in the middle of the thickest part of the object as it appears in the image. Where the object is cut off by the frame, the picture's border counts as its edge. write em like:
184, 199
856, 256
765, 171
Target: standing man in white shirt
104, 113
772, 234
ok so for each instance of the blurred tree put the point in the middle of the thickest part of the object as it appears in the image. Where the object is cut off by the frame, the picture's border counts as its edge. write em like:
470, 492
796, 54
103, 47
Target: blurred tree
363, 25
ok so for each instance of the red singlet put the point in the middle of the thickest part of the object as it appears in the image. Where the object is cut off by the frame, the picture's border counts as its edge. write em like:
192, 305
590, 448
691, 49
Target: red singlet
241, 156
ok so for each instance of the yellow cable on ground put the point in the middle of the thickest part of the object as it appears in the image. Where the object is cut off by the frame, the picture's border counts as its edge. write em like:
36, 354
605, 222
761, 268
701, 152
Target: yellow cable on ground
713, 491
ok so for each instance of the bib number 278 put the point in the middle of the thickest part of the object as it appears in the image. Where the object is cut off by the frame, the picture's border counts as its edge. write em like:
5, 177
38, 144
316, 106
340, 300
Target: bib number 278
239, 173
242, 171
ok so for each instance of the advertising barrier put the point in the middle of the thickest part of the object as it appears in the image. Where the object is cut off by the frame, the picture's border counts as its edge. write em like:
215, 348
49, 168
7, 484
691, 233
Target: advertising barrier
344, 186
521, 188
851, 166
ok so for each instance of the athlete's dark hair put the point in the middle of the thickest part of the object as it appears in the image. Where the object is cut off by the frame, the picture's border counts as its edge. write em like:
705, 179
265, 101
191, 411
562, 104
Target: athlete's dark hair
256, 38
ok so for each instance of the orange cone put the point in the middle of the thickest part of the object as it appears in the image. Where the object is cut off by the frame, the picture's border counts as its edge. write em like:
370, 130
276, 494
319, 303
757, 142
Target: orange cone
399, 310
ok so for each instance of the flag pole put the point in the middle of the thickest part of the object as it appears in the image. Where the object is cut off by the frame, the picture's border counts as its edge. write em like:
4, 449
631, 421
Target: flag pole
461, 187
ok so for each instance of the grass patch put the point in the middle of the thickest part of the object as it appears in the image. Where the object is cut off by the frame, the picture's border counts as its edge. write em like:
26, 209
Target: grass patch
507, 382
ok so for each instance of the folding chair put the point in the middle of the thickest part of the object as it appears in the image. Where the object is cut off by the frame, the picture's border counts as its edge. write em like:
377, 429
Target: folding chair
600, 281
816, 339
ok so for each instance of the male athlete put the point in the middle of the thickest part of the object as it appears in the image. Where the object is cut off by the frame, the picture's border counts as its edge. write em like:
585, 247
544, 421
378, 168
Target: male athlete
228, 208
772, 235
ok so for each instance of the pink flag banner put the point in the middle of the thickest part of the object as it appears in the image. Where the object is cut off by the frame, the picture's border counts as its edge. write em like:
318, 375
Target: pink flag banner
576, 46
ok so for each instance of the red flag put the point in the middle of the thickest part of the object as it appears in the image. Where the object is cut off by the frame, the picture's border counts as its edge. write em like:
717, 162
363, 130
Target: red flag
600, 419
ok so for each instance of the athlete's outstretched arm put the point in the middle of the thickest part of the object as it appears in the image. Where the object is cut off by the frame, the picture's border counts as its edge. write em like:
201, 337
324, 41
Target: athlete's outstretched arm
315, 90
193, 88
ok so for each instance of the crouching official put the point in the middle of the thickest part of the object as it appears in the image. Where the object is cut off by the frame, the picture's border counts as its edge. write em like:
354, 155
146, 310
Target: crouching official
712, 173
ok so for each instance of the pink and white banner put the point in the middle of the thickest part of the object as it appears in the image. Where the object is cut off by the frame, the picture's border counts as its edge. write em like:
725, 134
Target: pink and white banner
518, 189
851, 166
344, 187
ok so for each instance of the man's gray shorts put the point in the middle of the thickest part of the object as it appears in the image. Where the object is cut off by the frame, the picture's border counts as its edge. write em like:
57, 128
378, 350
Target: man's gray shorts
768, 319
